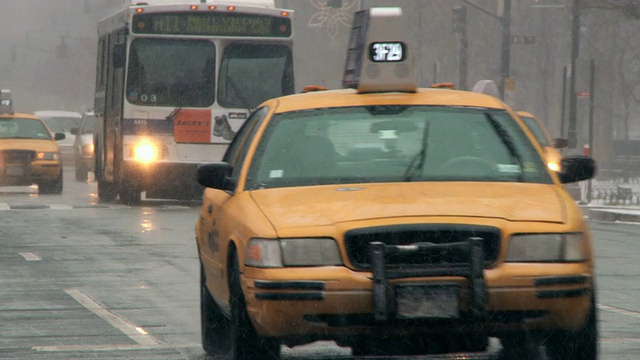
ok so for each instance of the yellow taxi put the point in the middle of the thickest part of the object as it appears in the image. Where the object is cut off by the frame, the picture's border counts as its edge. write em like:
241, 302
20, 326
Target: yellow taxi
29, 153
393, 220
549, 145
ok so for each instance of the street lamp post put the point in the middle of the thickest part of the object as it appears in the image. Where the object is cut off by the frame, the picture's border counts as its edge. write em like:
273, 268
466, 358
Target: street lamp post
572, 132
505, 56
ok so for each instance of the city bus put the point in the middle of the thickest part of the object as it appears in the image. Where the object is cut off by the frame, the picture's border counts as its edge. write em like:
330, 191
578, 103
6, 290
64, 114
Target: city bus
174, 82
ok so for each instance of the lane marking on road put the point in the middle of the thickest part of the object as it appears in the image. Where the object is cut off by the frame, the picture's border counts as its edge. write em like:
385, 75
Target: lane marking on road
5, 206
29, 256
111, 347
620, 311
134, 332
60, 207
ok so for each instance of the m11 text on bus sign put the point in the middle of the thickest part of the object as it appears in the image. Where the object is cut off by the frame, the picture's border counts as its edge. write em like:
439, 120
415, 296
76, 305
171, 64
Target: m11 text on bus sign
386, 52
219, 24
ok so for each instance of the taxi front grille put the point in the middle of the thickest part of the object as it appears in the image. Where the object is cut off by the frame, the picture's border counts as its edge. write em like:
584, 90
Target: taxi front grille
17, 157
358, 249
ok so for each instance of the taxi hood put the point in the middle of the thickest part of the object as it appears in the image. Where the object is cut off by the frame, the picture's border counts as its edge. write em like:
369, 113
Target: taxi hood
331, 204
29, 144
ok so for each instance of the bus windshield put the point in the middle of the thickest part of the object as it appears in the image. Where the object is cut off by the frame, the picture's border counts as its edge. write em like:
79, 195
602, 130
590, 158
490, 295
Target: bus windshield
251, 74
171, 73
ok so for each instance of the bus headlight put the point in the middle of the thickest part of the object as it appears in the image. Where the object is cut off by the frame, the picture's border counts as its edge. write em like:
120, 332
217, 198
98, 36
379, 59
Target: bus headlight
292, 252
48, 156
547, 248
146, 151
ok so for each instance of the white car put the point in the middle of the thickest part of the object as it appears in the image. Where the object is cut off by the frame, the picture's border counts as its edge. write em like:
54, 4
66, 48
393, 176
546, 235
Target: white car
60, 121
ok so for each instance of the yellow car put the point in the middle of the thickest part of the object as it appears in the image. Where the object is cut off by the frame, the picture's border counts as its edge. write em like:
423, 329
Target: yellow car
550, 146
30, 154
394, 220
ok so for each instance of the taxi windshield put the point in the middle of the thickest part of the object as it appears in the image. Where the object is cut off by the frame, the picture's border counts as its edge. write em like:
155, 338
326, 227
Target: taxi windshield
393, 144
20, 128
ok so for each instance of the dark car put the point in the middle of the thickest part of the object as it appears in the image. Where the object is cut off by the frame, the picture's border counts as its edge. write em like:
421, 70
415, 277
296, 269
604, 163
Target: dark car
83, 147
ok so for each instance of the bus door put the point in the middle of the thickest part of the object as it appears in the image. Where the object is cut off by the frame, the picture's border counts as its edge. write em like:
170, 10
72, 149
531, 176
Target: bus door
114, 104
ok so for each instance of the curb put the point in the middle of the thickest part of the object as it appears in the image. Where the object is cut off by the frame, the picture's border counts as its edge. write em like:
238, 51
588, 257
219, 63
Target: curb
611, 215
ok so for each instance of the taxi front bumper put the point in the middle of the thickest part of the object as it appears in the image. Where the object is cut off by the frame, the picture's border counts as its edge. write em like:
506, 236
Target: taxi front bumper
27, 174
337, 302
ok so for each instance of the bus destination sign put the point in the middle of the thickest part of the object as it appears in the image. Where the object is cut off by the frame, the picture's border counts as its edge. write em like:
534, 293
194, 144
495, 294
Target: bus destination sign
211, 24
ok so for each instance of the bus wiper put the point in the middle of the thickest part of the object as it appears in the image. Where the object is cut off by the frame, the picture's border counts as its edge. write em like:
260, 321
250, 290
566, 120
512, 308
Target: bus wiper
508, 141
174, 113
417, 161
238, 92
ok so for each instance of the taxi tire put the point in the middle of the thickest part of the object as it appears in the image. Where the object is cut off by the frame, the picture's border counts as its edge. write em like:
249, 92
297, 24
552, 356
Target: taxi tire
576, 345
214, 326
244, 341
51, 187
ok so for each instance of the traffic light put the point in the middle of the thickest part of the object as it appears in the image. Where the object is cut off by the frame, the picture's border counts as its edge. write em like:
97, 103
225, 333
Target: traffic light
459, 18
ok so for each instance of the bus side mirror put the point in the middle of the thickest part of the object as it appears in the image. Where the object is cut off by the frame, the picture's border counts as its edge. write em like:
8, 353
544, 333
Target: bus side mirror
119, 55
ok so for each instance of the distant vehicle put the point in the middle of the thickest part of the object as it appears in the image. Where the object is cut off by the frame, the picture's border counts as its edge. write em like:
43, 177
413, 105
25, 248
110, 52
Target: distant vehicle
83, 147
175, 82
392, 219
60, 121
29, 153
549, 145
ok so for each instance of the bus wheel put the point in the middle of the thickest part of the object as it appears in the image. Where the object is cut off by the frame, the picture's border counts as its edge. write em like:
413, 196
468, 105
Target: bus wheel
130, 195
107, 191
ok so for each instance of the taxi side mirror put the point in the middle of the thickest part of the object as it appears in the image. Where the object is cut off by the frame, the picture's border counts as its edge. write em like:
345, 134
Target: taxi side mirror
560, 143
577, 168
214, 175
59, 136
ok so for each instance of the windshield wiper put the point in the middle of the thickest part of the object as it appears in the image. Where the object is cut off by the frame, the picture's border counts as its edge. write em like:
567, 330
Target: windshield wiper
238, 92
417, 161
174, 113
508, 141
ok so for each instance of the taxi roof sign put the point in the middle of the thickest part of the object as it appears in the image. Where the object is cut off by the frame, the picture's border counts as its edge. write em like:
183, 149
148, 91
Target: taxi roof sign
377, 56
6, 105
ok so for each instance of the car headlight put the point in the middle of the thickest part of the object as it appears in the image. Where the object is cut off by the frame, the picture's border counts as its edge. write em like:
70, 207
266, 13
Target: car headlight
554, 166
87, 149
48, 156
547, 248
293, 252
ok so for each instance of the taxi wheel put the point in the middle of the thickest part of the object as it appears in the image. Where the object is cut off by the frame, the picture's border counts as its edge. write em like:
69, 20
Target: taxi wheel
576, 345
107, 191
82, 173
244, 341
468, 343
51, 187
214, 325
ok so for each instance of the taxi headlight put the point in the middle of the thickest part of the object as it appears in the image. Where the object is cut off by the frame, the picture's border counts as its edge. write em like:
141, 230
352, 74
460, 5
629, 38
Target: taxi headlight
547, 248
292, 252
48, 156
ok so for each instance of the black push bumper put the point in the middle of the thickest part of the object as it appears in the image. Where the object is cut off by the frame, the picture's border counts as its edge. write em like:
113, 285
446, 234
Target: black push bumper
384, 295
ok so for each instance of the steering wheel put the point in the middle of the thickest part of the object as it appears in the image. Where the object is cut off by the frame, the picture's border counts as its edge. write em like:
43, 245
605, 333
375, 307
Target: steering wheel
469, 164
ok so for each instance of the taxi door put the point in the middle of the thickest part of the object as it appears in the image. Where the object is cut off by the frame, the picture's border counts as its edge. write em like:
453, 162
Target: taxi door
213, 246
